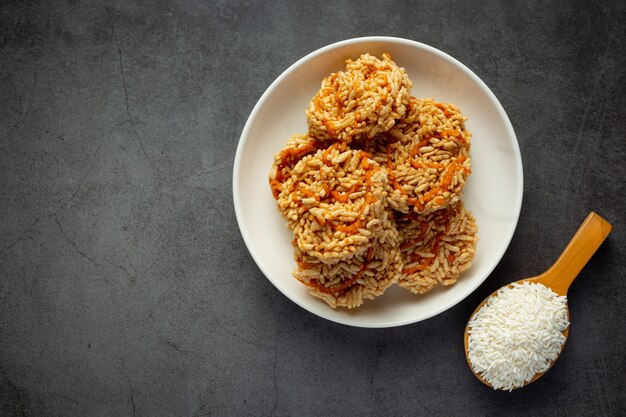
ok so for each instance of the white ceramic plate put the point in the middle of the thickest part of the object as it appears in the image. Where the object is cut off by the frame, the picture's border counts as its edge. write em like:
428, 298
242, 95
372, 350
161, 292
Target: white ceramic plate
493, 192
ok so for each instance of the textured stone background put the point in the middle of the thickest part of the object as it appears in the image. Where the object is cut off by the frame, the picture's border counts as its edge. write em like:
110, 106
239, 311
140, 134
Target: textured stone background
125, 286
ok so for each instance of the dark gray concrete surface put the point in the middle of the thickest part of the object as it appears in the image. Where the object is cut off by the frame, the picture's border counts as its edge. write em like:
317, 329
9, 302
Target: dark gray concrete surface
125, 286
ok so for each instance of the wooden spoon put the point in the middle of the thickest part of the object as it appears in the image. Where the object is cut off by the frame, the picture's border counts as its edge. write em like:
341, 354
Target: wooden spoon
560, 276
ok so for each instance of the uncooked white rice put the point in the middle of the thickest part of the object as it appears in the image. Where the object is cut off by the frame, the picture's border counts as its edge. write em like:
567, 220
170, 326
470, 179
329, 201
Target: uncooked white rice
516, 334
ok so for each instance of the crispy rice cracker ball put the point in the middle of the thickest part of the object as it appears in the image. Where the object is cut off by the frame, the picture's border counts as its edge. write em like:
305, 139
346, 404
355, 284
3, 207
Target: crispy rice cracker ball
427, 157
348, 283
297, 147
334, 201
436, 247
368, 98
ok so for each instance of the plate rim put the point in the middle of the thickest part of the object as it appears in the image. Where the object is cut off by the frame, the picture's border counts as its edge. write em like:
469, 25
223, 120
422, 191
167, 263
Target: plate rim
396, 40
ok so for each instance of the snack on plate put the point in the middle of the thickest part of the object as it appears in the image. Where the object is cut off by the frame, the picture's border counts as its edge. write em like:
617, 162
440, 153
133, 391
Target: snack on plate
334, 202
436, 247
368, 98
348, 282
427, 157
296, 148
372, 191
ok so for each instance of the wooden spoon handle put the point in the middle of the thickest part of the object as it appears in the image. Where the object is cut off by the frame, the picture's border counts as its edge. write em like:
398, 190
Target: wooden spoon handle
583, 245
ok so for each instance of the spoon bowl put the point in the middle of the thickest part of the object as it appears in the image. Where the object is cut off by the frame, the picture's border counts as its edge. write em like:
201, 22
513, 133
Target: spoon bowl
560, 276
